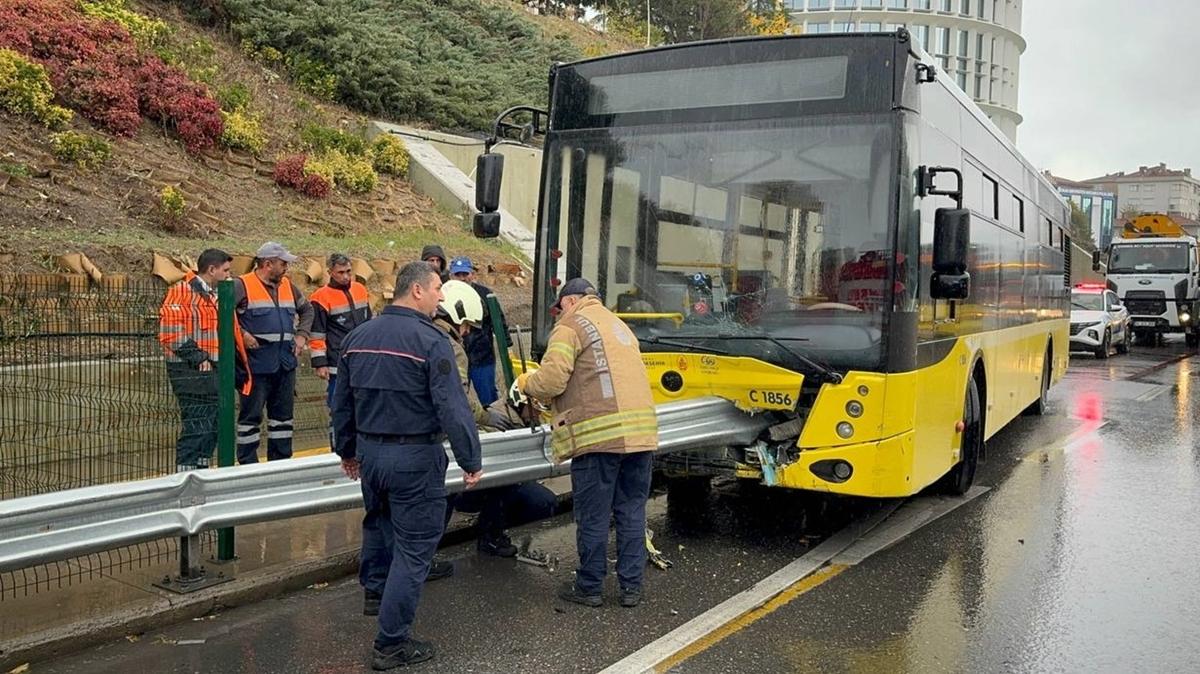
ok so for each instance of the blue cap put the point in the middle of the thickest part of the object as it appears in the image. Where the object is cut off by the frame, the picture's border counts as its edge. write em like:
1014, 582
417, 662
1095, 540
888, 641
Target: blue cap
461, 265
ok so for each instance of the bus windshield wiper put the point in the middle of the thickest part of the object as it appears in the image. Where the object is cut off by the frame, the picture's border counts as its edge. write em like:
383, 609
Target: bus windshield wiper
655, 339
823, 370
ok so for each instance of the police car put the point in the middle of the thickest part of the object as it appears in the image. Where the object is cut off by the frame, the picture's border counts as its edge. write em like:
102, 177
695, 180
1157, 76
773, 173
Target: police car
1099, 321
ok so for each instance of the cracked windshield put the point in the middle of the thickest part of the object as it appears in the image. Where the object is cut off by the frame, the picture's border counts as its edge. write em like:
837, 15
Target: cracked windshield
767, 240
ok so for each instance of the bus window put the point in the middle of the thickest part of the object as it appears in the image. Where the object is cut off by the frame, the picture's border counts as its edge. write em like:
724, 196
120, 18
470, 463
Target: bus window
989, 190
1019, 214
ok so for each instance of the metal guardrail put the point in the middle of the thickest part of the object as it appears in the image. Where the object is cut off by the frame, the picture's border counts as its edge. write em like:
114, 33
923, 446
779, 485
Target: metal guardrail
57, 526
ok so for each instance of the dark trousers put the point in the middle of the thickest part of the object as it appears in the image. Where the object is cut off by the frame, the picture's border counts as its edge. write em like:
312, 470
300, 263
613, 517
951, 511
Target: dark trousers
196, 393
277, 392
606, 484
329, 404
404, 493
502, 507
483, 379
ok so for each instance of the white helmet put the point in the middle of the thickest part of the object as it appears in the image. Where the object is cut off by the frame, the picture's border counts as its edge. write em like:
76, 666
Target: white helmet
461, 303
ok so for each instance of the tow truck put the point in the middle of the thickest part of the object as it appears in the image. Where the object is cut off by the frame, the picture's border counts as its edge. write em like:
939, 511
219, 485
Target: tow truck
1154, 267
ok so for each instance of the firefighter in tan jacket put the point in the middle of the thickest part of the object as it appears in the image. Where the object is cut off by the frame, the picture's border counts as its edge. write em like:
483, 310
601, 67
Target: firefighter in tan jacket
603, 420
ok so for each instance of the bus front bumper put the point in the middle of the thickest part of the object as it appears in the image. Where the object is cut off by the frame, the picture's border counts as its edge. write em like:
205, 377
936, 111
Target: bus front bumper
880, 469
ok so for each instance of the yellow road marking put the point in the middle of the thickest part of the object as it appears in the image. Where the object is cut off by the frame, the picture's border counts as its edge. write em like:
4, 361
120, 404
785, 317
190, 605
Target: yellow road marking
750, 617
310, 452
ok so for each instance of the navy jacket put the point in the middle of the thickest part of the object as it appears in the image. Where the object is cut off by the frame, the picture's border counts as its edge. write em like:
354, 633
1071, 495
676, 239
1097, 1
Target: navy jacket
478, 343
397, 376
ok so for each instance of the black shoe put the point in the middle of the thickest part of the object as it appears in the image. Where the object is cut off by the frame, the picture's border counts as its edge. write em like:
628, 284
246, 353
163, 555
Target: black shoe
630, 598
439, 570
371, 603
410, 652
496, 545
568, 592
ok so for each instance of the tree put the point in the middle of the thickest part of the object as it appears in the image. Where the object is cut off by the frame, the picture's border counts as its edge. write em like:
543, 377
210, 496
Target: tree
768, 17
686, 20
1081, 228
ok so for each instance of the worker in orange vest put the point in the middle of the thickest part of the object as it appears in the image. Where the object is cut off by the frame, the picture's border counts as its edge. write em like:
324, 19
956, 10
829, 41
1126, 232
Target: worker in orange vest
340, 306
275, 319
187, 330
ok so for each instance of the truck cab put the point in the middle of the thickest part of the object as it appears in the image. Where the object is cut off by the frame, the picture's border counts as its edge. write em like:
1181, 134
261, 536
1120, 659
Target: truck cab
1154, 267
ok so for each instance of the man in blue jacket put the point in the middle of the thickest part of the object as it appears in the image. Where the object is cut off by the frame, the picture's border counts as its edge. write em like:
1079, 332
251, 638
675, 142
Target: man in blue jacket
397, 393
481, 352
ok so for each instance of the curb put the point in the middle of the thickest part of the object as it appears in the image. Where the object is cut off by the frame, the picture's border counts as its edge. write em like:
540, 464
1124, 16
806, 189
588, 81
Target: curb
255, 587
168, 610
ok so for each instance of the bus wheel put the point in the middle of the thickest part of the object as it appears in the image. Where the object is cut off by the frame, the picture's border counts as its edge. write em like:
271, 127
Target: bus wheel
962, 475
1123, 347
1038, 407
1105, 344
688, 495
1192, 339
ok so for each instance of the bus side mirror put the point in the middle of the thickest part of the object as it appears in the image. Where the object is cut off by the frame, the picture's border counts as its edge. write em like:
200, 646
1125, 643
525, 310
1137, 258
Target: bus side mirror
1096, 260
951, 244
489, 173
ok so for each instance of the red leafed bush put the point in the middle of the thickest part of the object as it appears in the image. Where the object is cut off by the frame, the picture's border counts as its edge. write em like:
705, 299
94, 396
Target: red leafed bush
289, 171
96, 67
316, 186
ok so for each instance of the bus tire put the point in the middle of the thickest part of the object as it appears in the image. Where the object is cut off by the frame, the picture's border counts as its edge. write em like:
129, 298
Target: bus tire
1038, 407
1123, 347
1192, 339
962, 475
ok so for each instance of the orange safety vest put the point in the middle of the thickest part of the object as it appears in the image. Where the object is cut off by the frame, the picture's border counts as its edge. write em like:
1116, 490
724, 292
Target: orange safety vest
336, 311
186, 315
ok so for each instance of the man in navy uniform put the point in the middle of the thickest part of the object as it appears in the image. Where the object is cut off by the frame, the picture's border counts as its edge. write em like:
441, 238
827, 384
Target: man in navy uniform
397, 393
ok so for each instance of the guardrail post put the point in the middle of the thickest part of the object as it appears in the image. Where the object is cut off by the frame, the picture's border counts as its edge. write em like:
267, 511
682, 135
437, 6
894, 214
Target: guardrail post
192, 576
226, 410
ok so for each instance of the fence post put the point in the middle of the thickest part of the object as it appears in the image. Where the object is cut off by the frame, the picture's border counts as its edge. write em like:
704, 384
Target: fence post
226, 412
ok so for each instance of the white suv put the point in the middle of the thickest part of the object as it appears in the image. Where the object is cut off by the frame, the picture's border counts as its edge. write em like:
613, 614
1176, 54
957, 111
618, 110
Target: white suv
1098, 321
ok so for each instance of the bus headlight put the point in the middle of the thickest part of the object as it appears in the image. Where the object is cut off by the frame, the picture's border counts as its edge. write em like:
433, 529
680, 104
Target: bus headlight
845, 430
854, 408
1184, 317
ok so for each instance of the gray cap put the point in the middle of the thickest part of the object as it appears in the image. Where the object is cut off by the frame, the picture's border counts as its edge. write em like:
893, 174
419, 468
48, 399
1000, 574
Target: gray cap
272, 249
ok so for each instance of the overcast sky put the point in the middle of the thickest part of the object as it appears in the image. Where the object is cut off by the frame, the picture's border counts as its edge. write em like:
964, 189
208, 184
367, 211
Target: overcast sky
1110, 85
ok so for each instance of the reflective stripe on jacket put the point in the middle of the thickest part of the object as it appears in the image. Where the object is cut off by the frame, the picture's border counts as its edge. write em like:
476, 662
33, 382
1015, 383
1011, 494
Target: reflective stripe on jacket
188, 324
272, 321
336, 311
592, 374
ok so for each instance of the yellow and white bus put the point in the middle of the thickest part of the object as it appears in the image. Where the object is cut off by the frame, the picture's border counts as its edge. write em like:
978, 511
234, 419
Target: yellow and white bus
820, 228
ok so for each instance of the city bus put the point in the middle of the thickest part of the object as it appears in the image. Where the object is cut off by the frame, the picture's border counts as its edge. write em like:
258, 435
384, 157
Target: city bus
823, 229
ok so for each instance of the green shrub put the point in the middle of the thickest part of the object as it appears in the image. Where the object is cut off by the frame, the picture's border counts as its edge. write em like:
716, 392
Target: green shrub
390, 155
25, 90
234, 97
172, 203
452, 63
351, 173
148, 33
243, 131
312, 77
320, 139
14, 170
197, 58
81, 149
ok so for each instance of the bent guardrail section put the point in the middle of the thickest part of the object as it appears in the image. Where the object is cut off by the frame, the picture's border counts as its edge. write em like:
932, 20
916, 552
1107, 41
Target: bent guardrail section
61, 525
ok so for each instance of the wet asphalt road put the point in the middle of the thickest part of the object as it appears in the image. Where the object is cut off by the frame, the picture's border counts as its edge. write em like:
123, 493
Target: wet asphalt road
1081, 557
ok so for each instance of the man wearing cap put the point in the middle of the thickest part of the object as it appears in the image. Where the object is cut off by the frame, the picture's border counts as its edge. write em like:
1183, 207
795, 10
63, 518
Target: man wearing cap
481, 353
434, 255
275, 319
603, 420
